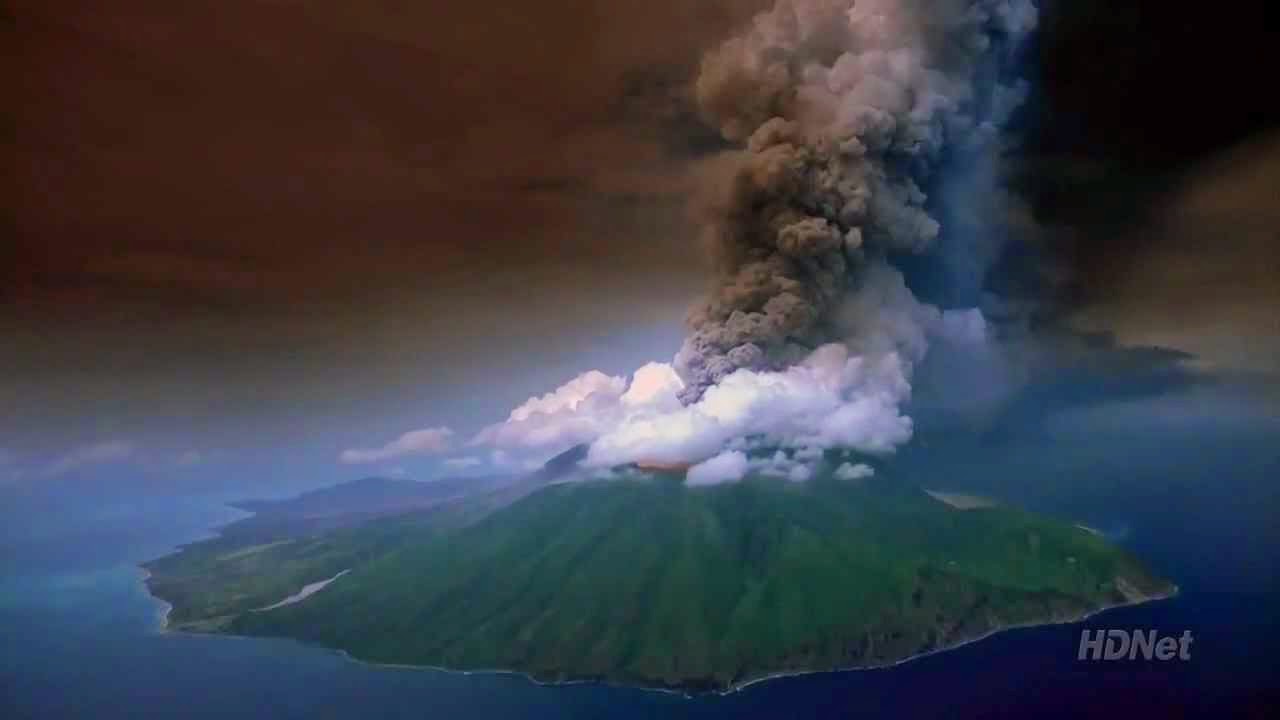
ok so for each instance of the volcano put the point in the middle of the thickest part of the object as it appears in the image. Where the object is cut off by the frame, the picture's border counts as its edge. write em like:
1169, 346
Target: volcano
643, 580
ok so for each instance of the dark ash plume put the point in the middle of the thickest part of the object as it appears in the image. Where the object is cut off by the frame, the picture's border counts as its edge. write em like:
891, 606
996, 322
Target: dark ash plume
845, 111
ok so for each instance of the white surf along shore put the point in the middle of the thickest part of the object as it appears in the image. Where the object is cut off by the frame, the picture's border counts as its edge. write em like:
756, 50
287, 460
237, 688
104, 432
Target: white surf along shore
958, 501
315, 587
165, 607
744, 684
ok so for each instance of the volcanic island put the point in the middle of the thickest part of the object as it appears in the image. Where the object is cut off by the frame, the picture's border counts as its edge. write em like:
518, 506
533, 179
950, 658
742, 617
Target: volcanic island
640, 579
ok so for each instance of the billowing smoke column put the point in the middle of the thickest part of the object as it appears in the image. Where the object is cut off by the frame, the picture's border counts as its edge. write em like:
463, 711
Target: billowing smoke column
846, 113
846, 110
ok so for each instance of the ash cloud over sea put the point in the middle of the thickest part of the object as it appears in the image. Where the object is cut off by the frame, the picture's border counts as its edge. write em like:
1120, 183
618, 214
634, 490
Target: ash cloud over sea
842, 118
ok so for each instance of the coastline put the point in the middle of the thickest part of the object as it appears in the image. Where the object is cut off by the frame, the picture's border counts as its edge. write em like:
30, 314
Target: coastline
167, 608
739, 686
210, 533
1018, 626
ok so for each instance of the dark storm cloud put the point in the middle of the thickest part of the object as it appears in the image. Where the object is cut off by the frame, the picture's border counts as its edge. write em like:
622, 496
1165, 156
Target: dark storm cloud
1149, 169
1146, 84
1203, 273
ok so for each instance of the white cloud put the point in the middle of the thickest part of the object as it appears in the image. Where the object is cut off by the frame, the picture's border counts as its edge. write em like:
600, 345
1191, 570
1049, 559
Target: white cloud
776, 465
846, 395
963, 326
849, 471
576, 412
95, 454
461, 463
505, 461
828, 400
800, 473
430, 441
728, 466
656, 386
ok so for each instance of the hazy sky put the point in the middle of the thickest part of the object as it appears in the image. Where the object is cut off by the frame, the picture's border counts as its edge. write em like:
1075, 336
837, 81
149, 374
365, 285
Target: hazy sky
308, 226
287, 211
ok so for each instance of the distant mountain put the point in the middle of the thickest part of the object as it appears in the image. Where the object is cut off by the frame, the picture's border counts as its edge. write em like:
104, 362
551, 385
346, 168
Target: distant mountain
349, 504
287, 544
383, 495
650, 582
373, 495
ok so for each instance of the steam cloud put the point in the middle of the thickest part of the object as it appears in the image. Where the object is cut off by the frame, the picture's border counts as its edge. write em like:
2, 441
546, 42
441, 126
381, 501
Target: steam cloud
845, 112
430, 441
846, 109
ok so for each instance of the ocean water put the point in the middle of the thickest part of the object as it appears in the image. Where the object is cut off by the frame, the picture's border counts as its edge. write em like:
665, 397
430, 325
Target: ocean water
1192, 493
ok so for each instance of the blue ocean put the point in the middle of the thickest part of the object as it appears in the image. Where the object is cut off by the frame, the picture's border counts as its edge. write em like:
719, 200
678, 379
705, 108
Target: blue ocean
1187, 482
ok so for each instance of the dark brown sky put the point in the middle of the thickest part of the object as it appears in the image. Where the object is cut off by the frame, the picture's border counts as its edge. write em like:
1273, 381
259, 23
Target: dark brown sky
214, 209
221, 195
251, 154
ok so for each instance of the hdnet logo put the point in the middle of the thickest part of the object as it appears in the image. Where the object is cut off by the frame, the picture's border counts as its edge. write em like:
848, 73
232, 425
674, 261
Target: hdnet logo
1130, 644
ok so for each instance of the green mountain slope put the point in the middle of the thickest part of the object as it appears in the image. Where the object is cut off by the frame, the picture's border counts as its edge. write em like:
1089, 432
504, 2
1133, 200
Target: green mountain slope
291, 543
653, 583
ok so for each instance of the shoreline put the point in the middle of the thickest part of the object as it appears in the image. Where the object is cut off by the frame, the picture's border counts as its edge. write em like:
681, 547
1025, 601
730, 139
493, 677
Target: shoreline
733, 688
736, 687
166, 606
1019, 626
211, 533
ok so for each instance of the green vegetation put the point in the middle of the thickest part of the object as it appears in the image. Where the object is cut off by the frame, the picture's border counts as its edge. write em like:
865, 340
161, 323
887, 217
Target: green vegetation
210, 582
288, 544
649, 582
